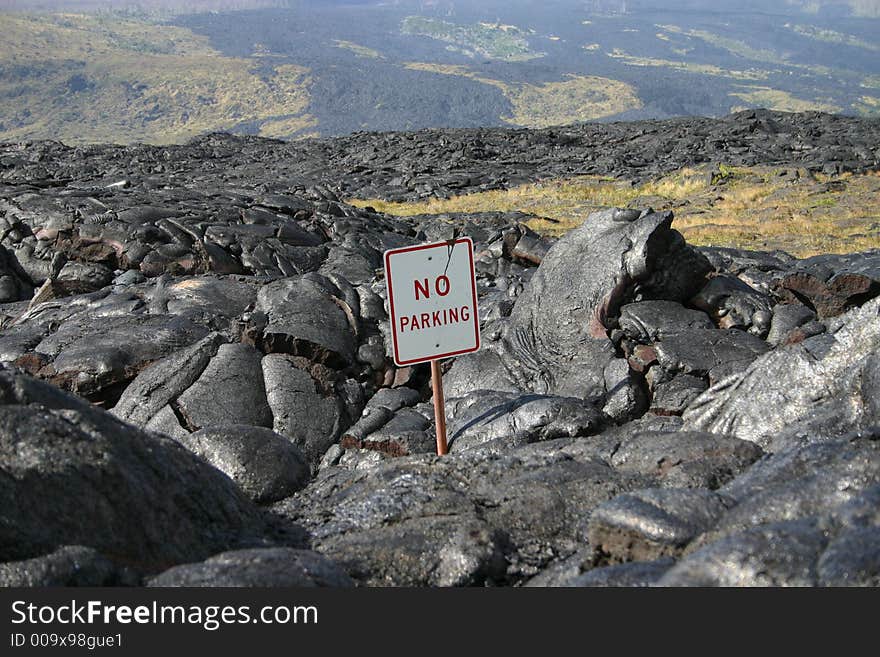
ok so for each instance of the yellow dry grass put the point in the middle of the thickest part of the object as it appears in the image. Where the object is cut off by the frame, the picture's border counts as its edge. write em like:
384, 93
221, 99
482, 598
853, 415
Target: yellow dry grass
751, 208
759, 96
576, 98
867, 106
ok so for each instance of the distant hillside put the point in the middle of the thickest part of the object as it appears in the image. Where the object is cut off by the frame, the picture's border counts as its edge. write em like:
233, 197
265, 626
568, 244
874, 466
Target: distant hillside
297, 69
93, 78
144, 6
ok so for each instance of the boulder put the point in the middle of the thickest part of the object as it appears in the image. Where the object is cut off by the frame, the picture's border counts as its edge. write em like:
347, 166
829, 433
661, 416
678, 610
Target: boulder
76, 475
164, 381
685, 458
648, 524
781, 554
265, 465
708, 352
69, 565
672, 397
15, 284
555, 341
257, 567
650, 321
229, 391
786, 390
309, 316
307, 403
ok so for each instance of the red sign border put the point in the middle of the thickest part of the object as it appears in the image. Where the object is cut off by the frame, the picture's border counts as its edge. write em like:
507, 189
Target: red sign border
393, 318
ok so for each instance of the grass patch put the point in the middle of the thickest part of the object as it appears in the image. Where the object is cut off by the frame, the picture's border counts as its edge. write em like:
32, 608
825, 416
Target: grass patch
302, 126
867, 106
689, 67
359, 50
744, 50
831, 36
753, 208
565, 202
577, 98
733, 46
490, 40
758, 96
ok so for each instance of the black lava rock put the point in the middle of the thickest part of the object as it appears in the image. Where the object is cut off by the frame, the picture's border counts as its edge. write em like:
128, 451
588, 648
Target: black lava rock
642, 412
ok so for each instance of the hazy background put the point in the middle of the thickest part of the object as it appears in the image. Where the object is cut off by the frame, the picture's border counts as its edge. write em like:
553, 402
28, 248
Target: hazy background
163, 71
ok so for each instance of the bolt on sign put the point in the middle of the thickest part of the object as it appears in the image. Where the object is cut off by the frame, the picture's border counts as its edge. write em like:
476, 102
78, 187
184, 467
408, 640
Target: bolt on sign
432, 298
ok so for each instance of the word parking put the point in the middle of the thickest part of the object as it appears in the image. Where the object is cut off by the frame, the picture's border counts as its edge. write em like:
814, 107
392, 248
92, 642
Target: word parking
432, 301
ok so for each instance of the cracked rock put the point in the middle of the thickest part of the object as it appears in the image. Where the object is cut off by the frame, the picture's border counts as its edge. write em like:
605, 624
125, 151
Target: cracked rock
650, 321
634, 573
229, 391
672, 397
309, 316
260, 567
656, 522
305, 409
781, 554
265, 465
709, 352
790, 386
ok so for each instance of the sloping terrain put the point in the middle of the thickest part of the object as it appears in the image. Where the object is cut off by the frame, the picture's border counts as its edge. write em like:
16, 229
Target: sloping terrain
196, 385
89, 78
300, 69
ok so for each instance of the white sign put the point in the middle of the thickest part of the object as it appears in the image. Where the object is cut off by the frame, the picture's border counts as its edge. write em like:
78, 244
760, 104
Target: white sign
432, 297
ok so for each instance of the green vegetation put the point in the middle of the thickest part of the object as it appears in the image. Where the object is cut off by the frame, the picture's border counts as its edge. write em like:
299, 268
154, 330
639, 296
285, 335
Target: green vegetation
744, 50
831, 36
490, 40
732, 46
721, 206
132, 76
357, 49
94, 78
689, 67
577, 98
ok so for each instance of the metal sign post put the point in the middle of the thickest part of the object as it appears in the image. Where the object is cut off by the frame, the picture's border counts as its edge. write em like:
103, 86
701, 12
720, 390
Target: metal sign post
432, 300
439, 407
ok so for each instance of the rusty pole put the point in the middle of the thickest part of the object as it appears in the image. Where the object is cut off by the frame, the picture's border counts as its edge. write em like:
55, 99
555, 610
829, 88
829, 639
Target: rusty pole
439, 407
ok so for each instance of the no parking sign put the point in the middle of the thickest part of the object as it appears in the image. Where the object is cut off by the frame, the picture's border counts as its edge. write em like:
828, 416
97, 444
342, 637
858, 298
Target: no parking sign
432, 299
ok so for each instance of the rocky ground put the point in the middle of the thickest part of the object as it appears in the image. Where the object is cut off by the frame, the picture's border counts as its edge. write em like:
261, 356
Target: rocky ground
197, 388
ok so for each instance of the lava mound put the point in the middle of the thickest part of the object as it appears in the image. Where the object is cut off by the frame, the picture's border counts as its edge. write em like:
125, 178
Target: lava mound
197, 388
